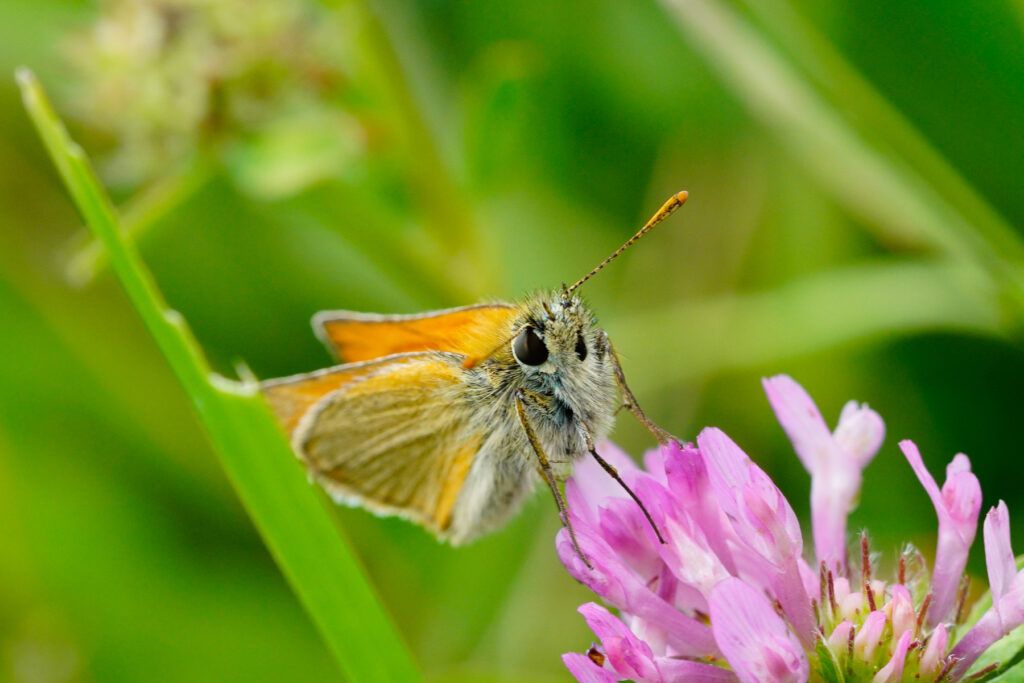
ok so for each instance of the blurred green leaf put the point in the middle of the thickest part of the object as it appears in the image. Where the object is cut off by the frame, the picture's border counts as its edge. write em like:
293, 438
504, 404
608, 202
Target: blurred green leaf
1014, 675
1008, 653
296, 152
293, 521
825, 663
807, 315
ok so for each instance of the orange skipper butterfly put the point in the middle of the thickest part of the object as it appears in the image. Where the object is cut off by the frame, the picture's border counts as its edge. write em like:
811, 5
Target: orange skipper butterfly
448, 417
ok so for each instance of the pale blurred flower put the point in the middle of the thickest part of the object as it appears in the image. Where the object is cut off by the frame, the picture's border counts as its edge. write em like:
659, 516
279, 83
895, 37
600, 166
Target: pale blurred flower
729, 596
164, 80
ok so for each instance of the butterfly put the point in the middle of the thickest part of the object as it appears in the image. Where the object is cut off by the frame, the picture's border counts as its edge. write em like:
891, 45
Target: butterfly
448, 418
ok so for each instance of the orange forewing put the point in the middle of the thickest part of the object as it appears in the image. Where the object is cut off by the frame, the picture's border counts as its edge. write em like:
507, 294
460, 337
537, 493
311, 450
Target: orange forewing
471, 331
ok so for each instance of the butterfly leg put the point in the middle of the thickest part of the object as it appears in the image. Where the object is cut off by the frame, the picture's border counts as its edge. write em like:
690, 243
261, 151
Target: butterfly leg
630, 402
549, 477
614, 474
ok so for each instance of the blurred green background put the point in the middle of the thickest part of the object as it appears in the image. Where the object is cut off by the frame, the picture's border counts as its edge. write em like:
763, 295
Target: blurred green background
855, 176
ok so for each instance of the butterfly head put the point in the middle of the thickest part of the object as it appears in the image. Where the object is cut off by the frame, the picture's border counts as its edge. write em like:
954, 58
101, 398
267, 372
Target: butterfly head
556, 334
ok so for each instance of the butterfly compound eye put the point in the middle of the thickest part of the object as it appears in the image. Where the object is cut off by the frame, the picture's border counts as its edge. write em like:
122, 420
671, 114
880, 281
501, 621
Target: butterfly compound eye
528, 348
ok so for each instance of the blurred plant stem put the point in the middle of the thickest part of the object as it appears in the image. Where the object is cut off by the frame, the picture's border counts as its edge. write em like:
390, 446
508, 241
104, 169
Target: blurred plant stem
878, 120
285, 508
446, 213
875, 300
88, 257
408, 258
921, 203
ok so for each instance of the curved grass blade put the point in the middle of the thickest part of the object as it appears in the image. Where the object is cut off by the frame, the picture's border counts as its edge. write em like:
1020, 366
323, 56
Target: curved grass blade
872, 182
292, 520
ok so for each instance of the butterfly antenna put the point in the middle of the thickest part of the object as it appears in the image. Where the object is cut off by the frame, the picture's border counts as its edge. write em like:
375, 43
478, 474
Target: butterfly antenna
673, 203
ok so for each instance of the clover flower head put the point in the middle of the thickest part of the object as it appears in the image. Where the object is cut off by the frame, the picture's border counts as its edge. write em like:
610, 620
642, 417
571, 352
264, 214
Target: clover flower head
729, 596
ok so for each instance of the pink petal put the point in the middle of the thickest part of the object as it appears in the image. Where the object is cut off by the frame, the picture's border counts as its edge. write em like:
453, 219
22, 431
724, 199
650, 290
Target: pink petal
590, 485
924, 476
935, 651
1005, 615
683, 671
624, 528
961, 493
680, 594
627, 654
686, 472
585, 670
756, 642
760, 514
1002, 567
866, 641
619, 459
831, 502
630, 657
613, 580
654, 461
688, 556
690, 484
809, 577
839, 640
957, 506
901, 611
788, 589
727, 466
985, 632
769, 528
801, 420
893, 671
769, 510
860, 432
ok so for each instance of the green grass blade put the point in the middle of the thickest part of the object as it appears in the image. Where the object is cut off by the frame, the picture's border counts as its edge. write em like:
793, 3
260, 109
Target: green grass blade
876, 119
89, 258
291, 518
871, 181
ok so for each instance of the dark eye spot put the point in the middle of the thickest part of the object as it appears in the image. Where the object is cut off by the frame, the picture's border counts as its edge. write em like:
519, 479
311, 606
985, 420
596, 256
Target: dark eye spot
529, 348
581, 348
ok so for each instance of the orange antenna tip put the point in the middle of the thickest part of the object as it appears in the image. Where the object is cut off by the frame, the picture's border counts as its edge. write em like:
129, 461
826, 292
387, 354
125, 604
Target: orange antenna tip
670, 205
